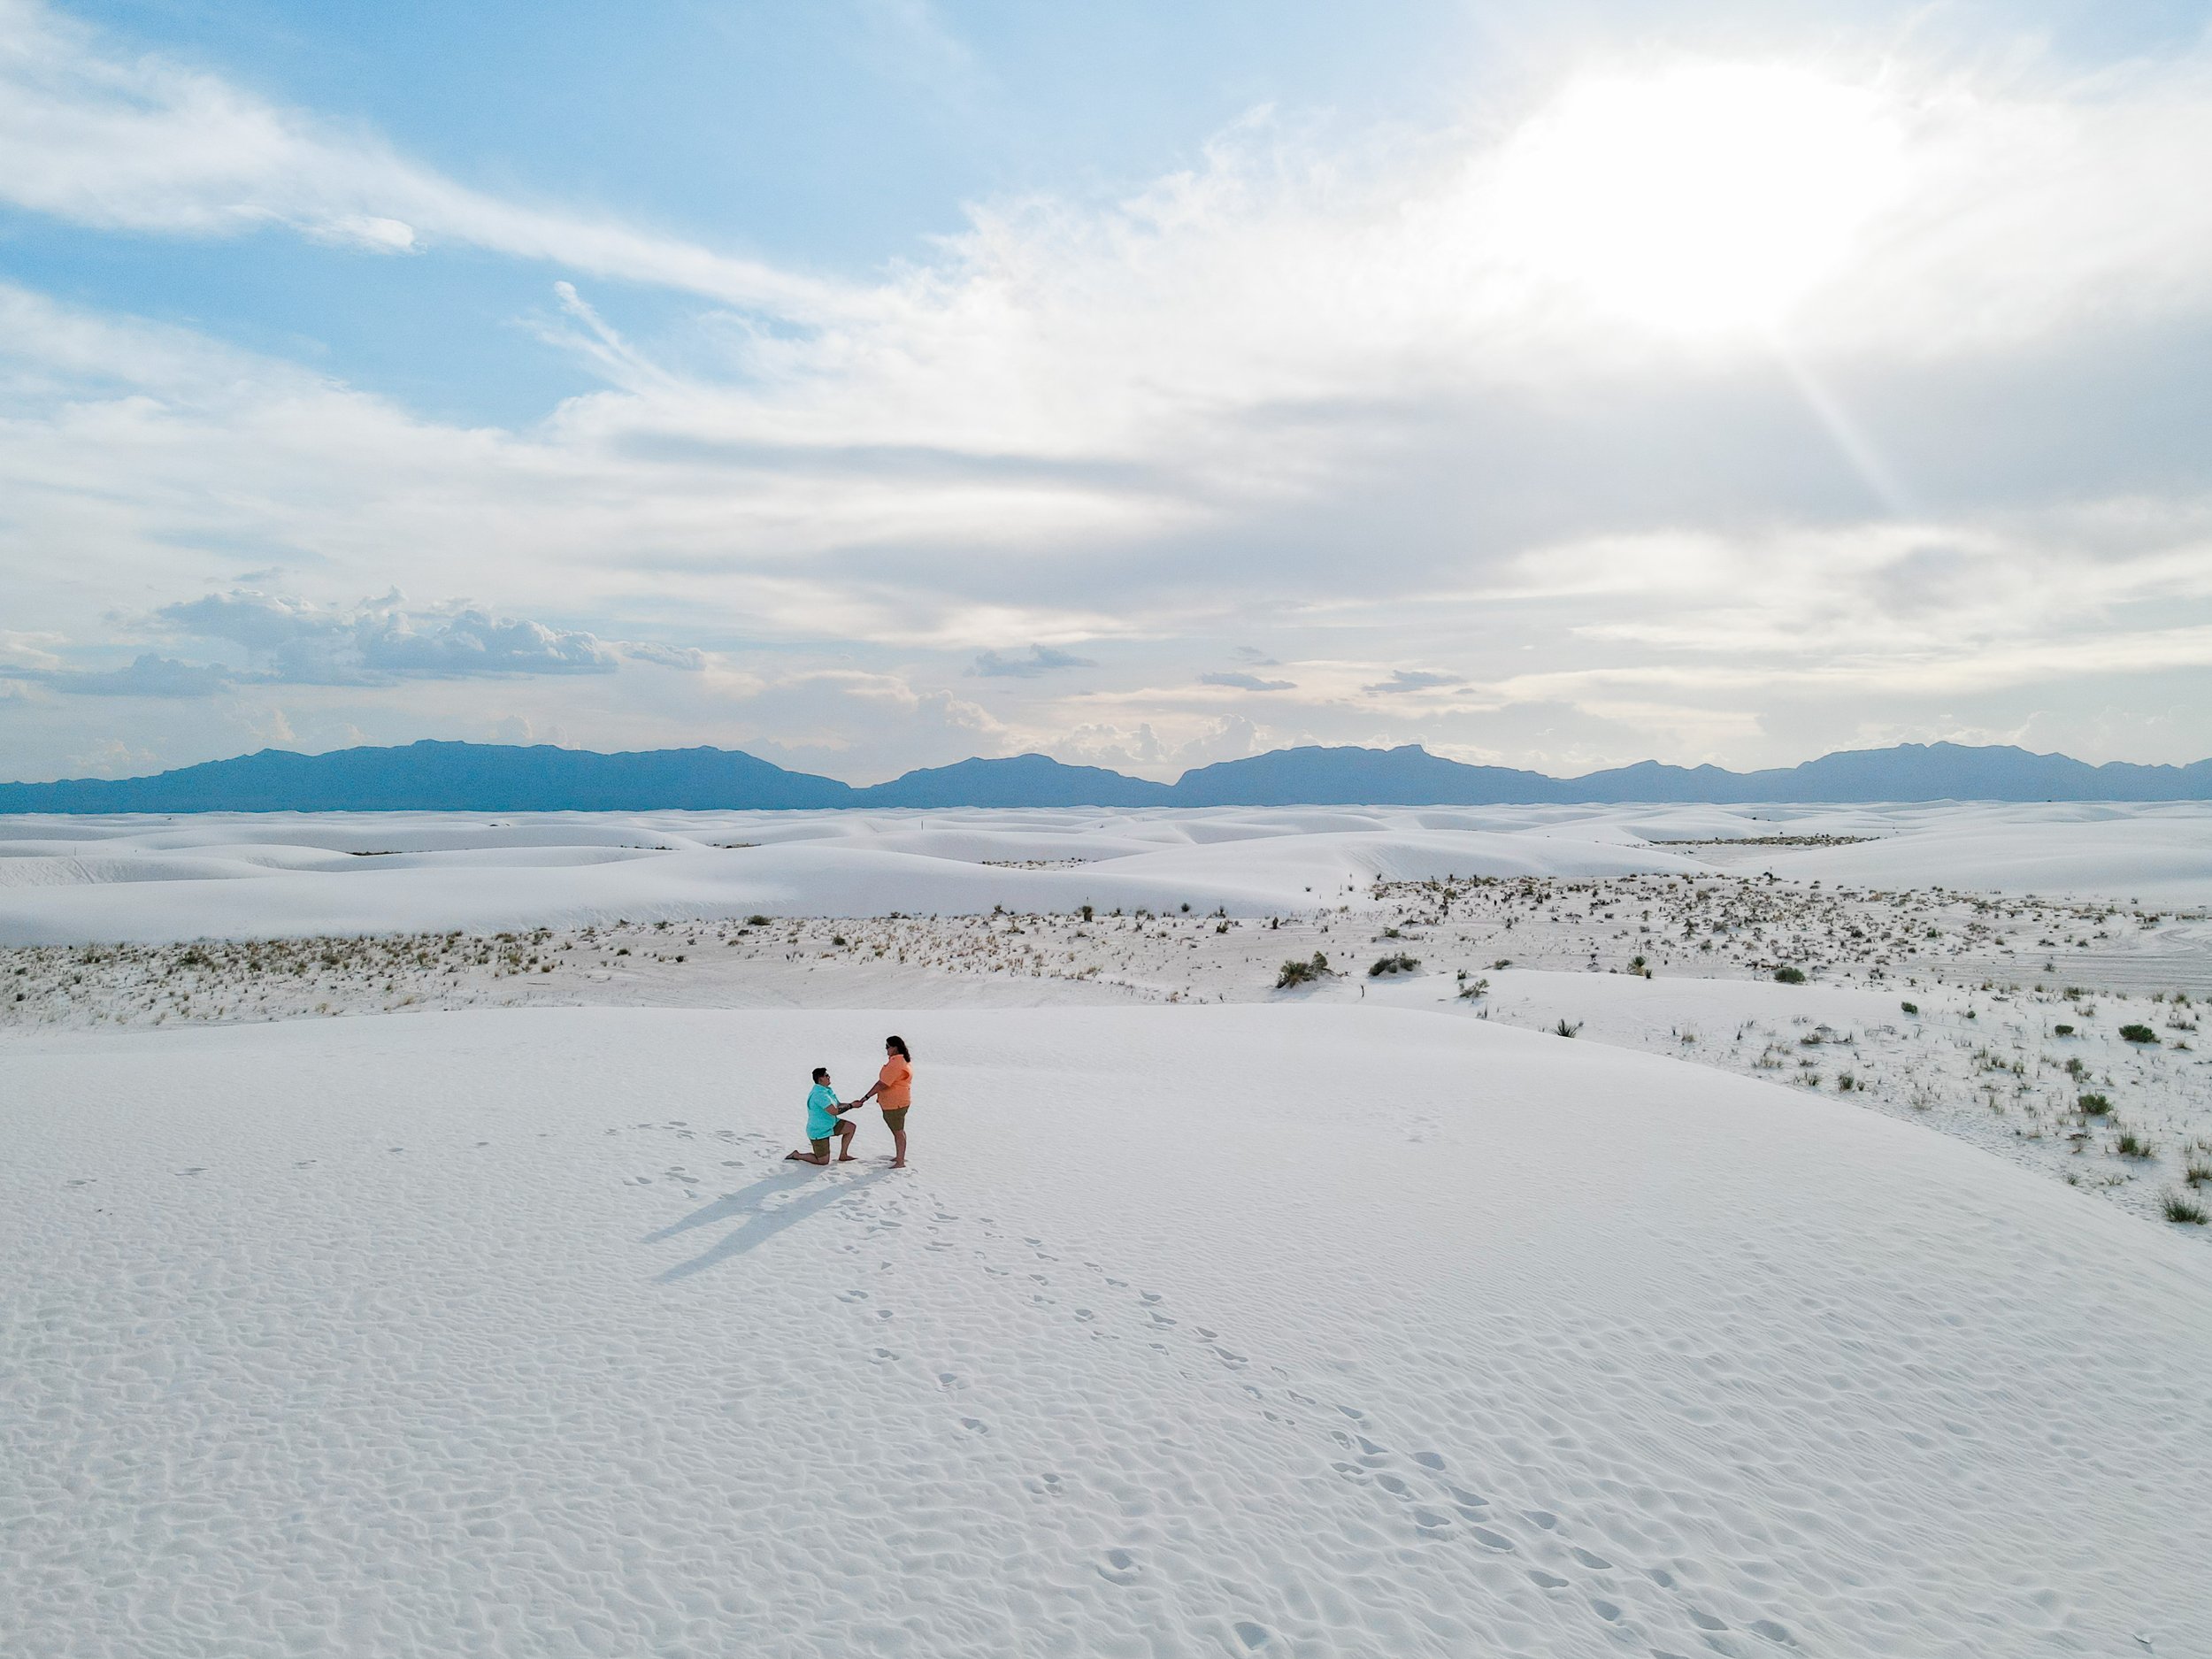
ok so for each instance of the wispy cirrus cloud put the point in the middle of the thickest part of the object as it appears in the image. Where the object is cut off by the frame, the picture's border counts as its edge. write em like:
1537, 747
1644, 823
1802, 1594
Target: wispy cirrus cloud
91, 133
1246, 682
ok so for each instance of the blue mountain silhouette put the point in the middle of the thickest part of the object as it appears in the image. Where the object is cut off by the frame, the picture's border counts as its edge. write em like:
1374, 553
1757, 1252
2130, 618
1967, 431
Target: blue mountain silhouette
497, 778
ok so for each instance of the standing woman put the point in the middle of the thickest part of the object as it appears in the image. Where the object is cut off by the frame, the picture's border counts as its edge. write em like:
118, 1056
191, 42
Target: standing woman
893, 1091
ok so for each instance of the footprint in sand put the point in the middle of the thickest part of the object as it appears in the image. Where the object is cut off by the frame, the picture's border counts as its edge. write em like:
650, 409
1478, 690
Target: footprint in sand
1472, 1508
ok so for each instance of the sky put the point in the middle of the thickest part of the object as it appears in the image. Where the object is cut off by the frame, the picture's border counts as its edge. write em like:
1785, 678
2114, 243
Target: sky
874, 383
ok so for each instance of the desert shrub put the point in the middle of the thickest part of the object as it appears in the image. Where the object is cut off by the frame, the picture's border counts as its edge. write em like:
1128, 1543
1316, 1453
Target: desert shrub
2197, 1172
2138, 1033
1296, 972
1910, 1008
1846, 1083
2063, 1031
1473, 990
1786, 975
2093, 1105
1088, 912
2178, 1208
756, 921
1567, 1028
2130, 1145
1399, 964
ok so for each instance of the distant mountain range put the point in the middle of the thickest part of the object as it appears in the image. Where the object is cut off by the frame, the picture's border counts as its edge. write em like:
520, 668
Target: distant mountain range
497, 778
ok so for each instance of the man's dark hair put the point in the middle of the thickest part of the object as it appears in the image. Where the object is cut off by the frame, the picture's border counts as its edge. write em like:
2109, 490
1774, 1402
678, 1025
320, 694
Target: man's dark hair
821, 1071
900, 1044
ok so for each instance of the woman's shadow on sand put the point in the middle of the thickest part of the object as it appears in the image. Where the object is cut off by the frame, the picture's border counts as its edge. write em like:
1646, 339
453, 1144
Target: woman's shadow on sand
761, 1222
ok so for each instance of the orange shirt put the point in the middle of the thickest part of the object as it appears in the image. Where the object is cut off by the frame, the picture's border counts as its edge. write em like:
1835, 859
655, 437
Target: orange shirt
897, 1080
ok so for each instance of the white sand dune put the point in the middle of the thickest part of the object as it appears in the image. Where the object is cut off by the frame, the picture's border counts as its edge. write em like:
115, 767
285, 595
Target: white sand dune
2159, 855
114, 880
1306, 1330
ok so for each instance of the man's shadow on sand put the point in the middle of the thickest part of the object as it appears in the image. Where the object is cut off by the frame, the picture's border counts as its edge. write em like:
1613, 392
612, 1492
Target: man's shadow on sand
762, 1223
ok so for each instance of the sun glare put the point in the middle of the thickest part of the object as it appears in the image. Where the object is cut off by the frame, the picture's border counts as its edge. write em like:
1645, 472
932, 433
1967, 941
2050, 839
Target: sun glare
1700, 200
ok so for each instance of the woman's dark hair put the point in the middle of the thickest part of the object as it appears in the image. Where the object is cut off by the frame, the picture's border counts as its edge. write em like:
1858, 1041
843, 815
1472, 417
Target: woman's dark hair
821, 1071
900, 1044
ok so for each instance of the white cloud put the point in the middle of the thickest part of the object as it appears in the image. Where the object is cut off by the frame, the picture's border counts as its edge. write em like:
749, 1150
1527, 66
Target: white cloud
686, 659
135, 143
1316, 394
1404, 680
1042, 659
148, 676
382, 640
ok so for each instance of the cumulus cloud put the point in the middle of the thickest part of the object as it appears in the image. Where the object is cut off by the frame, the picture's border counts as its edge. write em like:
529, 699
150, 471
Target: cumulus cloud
148, 676
1246, 682
300, 643
1042, 659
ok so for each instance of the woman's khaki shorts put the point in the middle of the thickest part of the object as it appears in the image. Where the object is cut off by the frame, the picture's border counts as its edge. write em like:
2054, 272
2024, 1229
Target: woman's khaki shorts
895, 1118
